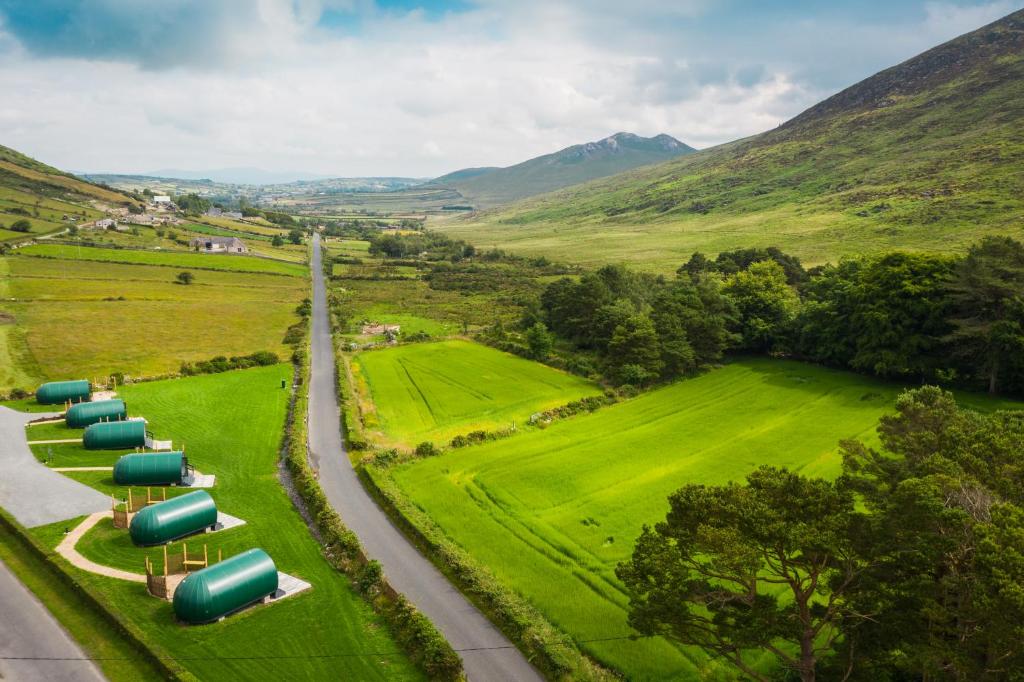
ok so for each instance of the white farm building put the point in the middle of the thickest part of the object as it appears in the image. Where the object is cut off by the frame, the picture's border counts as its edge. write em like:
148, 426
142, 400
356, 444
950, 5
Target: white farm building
219, 245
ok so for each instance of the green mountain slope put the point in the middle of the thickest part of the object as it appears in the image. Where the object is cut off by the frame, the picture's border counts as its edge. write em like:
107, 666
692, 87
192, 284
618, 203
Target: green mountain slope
926, 155
570, 166
36, 199
23, 173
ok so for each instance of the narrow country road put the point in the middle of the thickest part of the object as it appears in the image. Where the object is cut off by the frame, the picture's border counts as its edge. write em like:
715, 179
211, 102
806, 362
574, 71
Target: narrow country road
487, 654
33, 645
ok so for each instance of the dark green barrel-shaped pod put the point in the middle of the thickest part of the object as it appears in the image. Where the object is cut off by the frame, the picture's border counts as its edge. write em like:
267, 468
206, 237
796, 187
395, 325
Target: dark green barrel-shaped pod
218, 590
115, 435
151, 468
177, 517
81, 415
58, 392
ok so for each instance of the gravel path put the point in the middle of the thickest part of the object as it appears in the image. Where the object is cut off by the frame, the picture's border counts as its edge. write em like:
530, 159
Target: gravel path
487, 654
66, 549
35, 494
33, 645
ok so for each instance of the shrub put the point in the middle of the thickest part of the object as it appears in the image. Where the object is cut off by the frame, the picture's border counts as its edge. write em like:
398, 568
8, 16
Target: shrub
427, 449
222, 364
21, 225
418, 336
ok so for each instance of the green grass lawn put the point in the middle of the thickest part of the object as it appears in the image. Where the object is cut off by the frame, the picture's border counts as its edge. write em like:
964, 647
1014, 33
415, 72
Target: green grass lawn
81, 318
551, 512
347, 247
434, 391
176, 259
410, 324
385, 300
232, 426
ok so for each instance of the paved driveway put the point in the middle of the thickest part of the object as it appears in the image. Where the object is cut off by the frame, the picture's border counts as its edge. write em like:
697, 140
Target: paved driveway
29, 490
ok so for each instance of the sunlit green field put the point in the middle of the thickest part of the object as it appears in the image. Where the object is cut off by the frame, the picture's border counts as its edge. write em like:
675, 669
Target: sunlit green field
176, 259
551, 512
63, 318
433, 391
231, 425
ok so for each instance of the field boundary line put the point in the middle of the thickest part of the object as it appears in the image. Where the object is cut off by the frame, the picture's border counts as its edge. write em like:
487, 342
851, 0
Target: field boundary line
169, 265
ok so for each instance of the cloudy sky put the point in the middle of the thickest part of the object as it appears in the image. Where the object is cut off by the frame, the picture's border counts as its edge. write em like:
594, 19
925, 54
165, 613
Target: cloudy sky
423, 87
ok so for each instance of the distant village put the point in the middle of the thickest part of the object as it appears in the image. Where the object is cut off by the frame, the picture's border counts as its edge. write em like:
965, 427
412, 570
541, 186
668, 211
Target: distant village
161, 211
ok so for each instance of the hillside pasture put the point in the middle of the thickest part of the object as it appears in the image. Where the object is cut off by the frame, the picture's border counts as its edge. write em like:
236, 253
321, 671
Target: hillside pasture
89, 318
62, 182
38, 226
174, 259
552, 512
388, 299
233, 424
434, 391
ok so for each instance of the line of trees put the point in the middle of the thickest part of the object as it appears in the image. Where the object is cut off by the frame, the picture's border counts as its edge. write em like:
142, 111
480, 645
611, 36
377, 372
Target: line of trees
899, 315
909, 566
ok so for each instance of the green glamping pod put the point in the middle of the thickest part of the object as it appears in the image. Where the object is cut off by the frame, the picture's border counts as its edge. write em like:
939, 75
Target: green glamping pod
152, 468
214, 592
59, 392
174, 518
115, 435
81, 415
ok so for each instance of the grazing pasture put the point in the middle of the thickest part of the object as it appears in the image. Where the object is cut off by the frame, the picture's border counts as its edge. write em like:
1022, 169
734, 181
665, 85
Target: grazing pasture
552, 512
65, 318
434, 391
232, 424
175, 259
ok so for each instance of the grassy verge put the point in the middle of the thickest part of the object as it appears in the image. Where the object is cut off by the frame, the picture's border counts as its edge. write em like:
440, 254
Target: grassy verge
417, 636
121, 656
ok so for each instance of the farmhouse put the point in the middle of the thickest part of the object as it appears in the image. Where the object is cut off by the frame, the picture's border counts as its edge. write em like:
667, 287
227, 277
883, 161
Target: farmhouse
104, 223
140, 219
219, 245
162, 199
214, 212
378, 328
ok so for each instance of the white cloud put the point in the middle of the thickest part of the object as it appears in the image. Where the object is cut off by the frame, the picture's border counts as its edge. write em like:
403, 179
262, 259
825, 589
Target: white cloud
411, 95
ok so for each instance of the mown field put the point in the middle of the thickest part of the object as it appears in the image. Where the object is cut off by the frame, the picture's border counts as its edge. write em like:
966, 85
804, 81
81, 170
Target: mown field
434, 391
174, 259
232, 426
61, 318
552, 512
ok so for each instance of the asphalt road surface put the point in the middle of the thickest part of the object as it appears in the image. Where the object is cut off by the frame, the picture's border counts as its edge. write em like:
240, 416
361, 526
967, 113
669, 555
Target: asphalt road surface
487, 654
33, 645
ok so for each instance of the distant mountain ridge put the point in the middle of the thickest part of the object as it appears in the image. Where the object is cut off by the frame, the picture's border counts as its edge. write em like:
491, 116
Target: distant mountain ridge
236, 176
570, 166
928, 154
